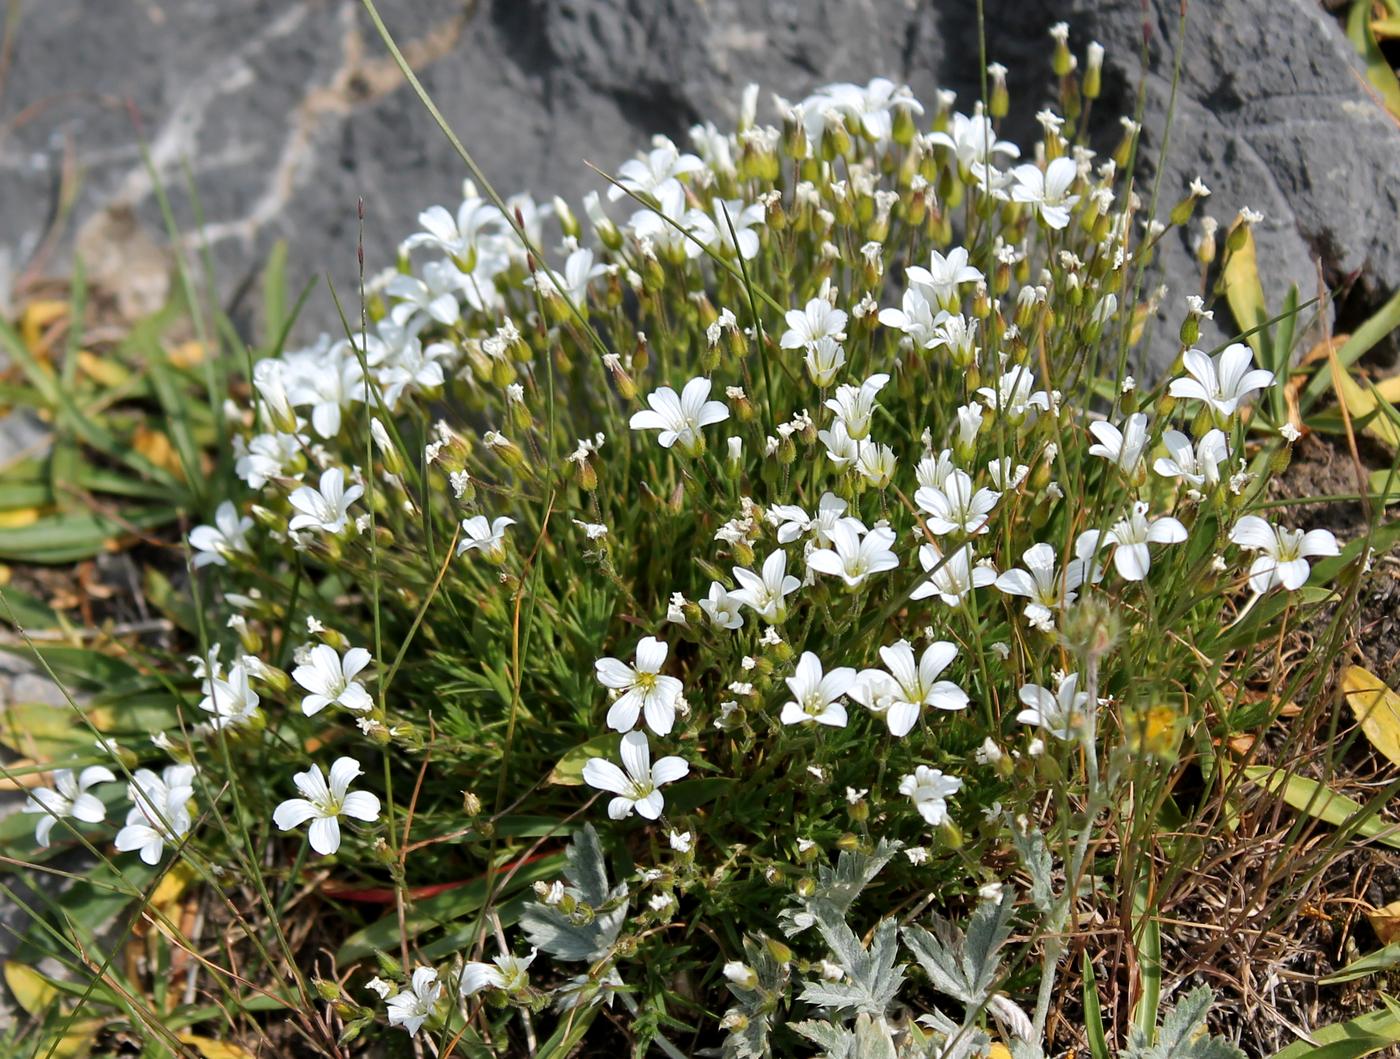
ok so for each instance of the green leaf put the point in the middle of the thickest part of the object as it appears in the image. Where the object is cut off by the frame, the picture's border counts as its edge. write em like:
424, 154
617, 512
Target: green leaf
1347, 1040
569, 771
1310, 797
1093, 1016
1385, 320
1378, 69
1373, 963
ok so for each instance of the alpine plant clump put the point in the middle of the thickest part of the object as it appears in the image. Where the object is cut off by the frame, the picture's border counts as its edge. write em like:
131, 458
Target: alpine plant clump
784, 514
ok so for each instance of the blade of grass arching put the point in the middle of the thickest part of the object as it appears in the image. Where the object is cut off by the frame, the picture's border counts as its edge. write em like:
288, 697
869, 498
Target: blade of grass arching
492, 195
1347, 1040
274, 292
285, 329
757, 321
1362, 340
1149, 964
215, 382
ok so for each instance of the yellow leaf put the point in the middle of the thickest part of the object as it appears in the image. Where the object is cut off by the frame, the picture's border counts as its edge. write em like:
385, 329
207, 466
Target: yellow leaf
101, 370
1245, 293
212, 1049
1386, 922
20, 516
1361, 401
1377, 708
172, 886
1389, 388
32, 991
156, 447
187, 354
37, 316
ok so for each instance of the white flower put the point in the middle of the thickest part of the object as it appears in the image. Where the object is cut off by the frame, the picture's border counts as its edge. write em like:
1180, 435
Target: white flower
681, 841
644, 689
266, 456
216, 543
328, 382
160, 811
1012, 394
1048, 191
68, 797
952, 578
808, 326
875, 463
722, 608
955, 508
854, 405
435, 295
457, 236
824, 359
230, 698
940, 281
663, 165
815, 695
915, 318
324, 805
327, 507
637, 788
1286, 552
507, 971
714, 229
1121, 447
1199, 466
1047, 590
414, 1006
840, 448
487, 537
973, 140
331, 680
679, 418
901, 690
1222, 382
579, 271
853, 557
1060, 714
930, 790
1133, 534
767, 593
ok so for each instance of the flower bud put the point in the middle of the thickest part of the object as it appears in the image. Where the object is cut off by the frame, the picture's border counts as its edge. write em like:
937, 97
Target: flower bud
1093, 71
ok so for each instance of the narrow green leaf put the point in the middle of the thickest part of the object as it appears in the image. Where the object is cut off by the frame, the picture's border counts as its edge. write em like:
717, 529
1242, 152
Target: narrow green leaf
1310, 797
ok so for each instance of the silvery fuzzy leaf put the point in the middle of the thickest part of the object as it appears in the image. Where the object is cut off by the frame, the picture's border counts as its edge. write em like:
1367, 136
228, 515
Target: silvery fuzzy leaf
556, 933
939, 953
587, 870
749, 1043
989, 929
837, 1041
1035, 856
874, 976
873, 1040
839, 887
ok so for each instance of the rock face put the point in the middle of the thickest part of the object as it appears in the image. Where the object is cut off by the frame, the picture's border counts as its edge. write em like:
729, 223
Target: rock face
284, 112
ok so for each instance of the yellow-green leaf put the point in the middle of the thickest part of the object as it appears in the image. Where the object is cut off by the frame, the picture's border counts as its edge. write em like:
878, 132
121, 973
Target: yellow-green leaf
569, 771
1362, 401
32, 991
1377, 708
1310, 797
212, 1049
1245, 293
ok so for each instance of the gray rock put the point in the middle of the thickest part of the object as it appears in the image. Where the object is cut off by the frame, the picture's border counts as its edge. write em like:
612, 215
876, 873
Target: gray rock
286, 112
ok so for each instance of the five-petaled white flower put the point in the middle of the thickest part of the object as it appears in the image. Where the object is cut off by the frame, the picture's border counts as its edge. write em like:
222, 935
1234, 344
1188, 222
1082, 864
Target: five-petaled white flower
951, 579
852, 556
1061, 713
1013, 396
1199, 466
974, 140
414, 1006
902, 689
638, 787
679, 418
324, 804
507, 971
767, 593
579, 271
1286, 552
955, 507
68, 797
824, 358
327, 508
1047, 589
930, 790
1133, 534
331, 679
854, 405
661, 167
160, 811
940, 281
230, 698
815, 696
489, 538
808, 326
1121, 447
218, 543
722, 608
1222, 382
915, 317
644, 689
1048, 191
